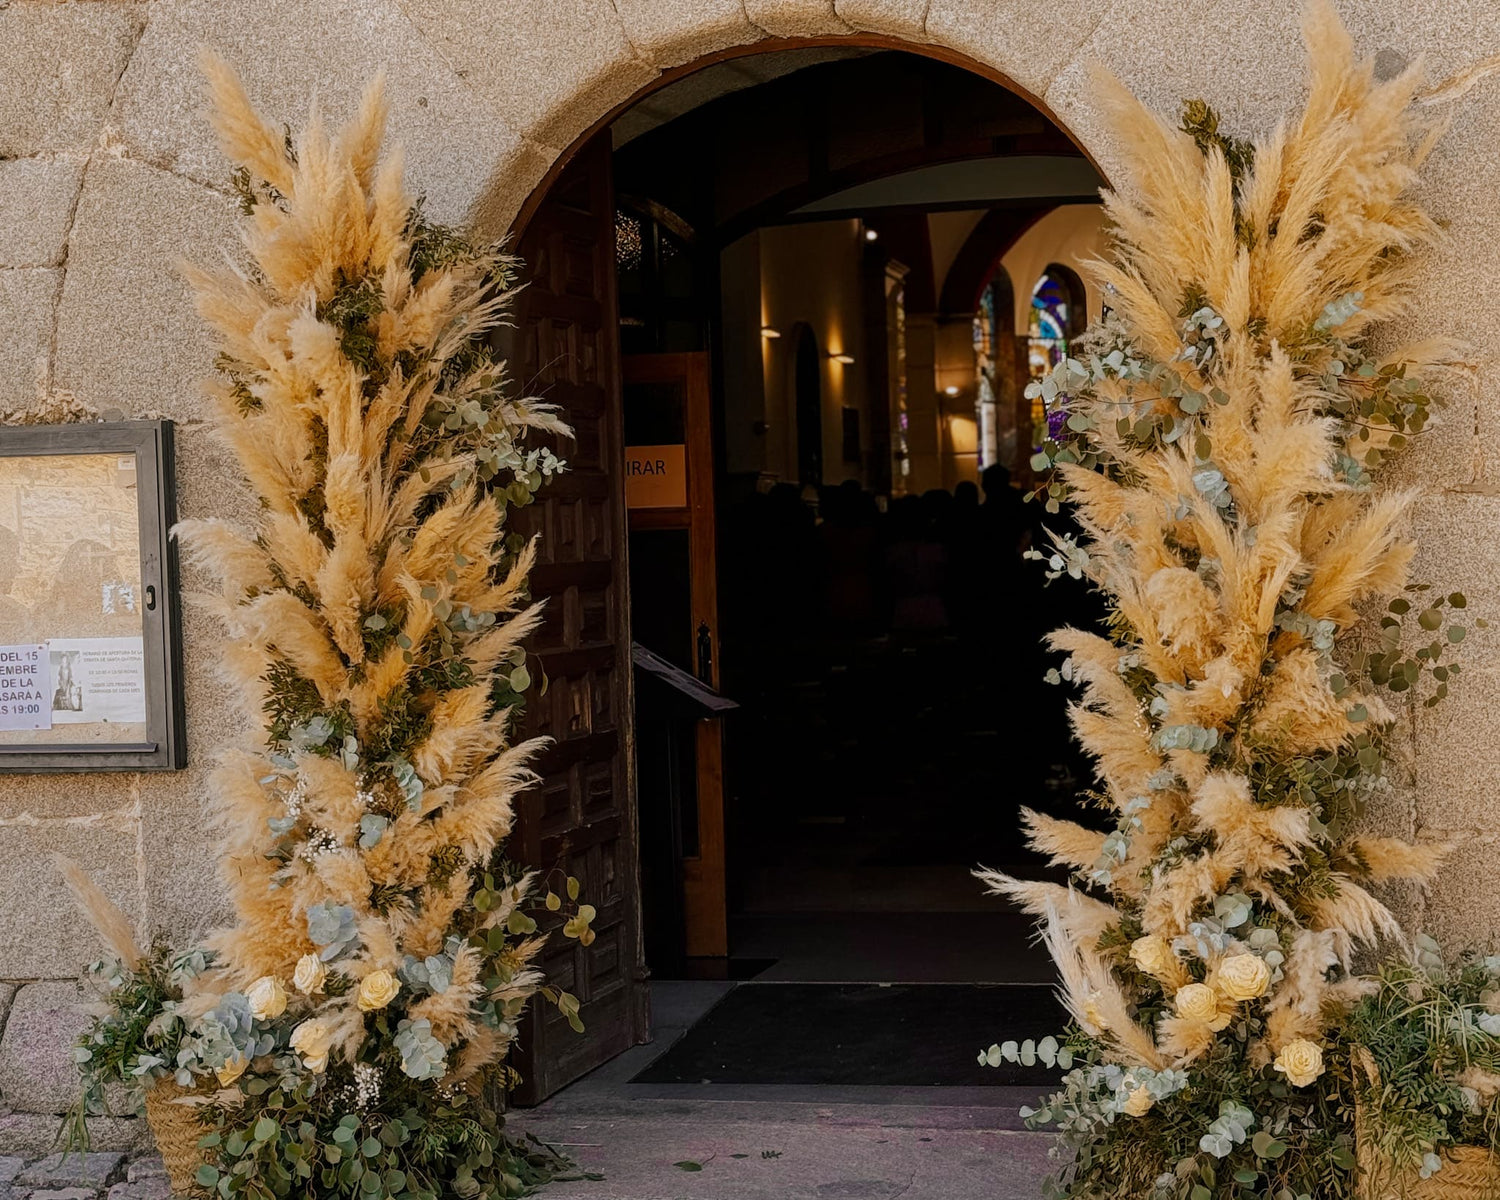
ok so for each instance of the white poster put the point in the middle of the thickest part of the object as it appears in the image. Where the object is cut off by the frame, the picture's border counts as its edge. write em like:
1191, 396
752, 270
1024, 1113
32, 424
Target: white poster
97, 679
23, 688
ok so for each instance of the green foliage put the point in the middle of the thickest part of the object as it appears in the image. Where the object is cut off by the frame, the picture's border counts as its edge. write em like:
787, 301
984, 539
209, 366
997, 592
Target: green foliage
1253, 1105
434, 247
314, 1140
1394, 663
1427, 1049
1028, 1053
352, 309
1225, 1129
297, 714
139, 1037
1201, 123
337, 1076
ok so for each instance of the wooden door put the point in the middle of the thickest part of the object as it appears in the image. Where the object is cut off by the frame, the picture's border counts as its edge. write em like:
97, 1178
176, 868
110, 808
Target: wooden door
581, 819
670, 490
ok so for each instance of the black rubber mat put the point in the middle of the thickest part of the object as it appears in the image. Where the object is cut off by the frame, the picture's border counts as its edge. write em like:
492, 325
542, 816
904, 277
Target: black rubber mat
909, 1035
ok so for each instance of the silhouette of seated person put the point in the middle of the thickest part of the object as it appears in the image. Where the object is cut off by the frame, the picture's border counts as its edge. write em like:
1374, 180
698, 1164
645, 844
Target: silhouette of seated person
916, 563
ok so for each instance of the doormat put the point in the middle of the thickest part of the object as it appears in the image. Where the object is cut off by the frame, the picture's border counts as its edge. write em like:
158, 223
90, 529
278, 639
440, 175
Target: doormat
903, 1034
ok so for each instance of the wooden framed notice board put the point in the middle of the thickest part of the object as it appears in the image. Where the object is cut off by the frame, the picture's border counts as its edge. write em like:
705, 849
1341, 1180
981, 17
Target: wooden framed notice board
90, 632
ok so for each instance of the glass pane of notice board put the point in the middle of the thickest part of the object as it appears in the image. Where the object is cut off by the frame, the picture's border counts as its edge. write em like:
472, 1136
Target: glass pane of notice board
89, 678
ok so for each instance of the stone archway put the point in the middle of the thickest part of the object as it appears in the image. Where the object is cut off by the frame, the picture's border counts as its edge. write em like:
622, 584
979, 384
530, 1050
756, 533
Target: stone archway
488, 99
560, 229
493, 209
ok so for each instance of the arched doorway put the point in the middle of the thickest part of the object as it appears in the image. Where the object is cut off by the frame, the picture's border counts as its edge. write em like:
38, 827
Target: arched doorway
867, 194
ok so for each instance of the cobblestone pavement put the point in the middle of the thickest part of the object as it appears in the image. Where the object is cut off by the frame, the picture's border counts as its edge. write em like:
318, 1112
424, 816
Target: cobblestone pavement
93, 1176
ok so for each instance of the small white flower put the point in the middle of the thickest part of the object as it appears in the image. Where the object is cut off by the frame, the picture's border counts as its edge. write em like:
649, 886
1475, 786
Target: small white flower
1092, 1014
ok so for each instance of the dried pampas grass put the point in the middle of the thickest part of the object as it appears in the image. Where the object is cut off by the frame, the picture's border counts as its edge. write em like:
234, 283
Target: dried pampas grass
112, 925
375, 605
1224, 426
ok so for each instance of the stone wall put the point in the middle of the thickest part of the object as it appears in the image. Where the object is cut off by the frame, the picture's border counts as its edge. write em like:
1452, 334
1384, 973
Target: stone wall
108, 174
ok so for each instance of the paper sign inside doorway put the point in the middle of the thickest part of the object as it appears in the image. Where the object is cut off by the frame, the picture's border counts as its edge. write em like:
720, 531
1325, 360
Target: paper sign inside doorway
656, 477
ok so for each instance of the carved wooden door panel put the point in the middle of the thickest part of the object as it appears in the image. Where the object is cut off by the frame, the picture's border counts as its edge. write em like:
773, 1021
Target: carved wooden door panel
581, 819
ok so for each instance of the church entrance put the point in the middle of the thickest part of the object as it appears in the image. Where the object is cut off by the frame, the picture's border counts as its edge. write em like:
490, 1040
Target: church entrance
790, 304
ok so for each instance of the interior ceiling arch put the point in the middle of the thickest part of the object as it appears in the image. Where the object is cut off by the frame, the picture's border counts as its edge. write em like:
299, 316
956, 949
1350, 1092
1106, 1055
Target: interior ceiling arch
967, 183
810, 134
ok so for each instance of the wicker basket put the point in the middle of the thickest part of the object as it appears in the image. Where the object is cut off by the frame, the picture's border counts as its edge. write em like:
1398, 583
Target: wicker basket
1468, 1173
177, 1131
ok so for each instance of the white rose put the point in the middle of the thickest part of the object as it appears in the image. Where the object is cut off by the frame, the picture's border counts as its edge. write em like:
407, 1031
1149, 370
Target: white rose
1154, 955
1199, 1002
1244, 977
232, 1069
312, 1040
1138, 1103
1301, 1061
310, 974
376, 990
267, 998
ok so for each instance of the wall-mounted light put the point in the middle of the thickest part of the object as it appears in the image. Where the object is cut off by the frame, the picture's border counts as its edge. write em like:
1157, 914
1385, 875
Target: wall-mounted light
767, 331
872, 235
952, 390
844, 359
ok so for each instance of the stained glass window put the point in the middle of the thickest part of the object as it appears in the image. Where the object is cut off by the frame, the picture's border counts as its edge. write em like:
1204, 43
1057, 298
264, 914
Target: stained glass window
1052, 317
898, 380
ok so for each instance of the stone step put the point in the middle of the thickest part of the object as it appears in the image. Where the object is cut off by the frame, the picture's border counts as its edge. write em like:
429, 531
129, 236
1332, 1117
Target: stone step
689, 1152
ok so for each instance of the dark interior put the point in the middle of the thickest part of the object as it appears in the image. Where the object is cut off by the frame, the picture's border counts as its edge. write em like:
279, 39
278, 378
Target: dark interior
885, 651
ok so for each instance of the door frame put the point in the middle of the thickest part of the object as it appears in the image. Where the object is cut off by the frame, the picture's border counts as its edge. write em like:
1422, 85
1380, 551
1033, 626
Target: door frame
592, 127
578, 817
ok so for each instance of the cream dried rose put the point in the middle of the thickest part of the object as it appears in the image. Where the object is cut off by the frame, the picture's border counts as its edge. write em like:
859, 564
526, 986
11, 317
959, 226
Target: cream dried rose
310, 975
1199, 1002
312, 1040
232, 1069
1244, 977
267, 998
1153, 955
1138, 1103
1301, 1061
376, 990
